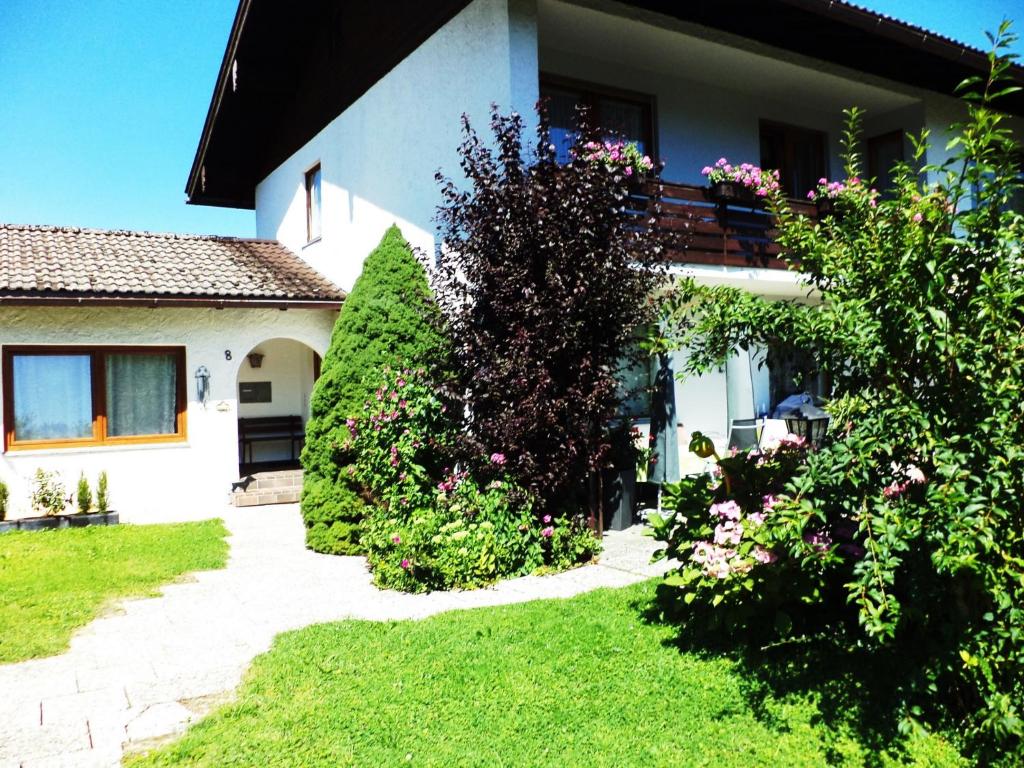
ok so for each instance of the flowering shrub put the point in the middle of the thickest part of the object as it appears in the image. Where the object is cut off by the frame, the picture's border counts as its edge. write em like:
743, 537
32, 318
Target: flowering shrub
721, 529
901, 537
434, 527
760, 182
388, 319
619, 155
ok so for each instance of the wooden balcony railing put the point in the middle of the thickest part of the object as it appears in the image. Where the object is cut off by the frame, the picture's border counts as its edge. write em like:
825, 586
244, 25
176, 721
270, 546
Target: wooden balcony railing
712, 233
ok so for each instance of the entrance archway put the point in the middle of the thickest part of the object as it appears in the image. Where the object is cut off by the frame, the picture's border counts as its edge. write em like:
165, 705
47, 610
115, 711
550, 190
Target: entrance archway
274, 383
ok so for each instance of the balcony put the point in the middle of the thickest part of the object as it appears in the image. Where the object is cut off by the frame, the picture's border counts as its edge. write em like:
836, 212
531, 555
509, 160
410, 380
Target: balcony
716, 234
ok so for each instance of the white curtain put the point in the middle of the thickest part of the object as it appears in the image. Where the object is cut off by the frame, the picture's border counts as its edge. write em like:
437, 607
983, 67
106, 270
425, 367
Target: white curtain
141, 394
52, 397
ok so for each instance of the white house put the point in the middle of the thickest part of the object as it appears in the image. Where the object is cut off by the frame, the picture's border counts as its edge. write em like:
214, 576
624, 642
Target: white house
331, 121
129, 352
126, 352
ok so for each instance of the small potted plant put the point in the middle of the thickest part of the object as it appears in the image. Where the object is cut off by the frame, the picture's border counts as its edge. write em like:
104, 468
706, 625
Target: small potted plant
49, 500
103, 501
743, 184
645, 454
85, 515
5, 524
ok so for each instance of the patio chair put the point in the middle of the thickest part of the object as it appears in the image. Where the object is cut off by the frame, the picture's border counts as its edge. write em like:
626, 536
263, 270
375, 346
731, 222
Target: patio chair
745, 434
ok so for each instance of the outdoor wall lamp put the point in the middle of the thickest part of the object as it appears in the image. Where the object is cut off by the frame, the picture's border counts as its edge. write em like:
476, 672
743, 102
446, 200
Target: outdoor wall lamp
255, 359
809, 422
202, 384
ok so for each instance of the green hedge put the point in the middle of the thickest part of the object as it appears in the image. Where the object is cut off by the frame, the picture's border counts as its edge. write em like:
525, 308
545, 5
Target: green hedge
388, 319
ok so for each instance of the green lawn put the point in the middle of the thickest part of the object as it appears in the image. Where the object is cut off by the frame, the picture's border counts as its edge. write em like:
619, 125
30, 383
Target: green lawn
53, 582
582, 682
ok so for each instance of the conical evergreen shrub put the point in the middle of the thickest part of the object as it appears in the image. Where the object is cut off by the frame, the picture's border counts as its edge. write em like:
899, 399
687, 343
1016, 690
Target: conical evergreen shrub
388, 319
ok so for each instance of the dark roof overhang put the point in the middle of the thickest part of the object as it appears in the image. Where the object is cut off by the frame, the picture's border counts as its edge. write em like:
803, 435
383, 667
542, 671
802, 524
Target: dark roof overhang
288, 70
291, 68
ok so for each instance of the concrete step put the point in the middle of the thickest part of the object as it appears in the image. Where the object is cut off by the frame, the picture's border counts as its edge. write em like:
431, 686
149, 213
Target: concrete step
278, 487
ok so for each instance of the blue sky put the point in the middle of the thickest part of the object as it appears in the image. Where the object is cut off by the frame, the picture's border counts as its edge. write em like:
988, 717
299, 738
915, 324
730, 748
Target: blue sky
102, 103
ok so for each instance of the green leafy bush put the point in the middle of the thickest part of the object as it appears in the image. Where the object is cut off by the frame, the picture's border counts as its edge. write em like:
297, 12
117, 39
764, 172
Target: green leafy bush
902, 536
83, 495
4, 495
437, 527
332, 512
389, 319
48, 493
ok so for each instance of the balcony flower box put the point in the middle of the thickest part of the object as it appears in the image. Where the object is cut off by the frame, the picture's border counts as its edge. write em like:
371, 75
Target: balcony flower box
731, 193
743, 184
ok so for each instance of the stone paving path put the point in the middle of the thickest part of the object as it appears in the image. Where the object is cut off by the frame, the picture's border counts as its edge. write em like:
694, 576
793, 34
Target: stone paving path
149, 667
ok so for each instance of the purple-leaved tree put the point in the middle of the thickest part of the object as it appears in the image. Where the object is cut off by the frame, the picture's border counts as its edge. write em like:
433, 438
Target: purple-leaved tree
547, 272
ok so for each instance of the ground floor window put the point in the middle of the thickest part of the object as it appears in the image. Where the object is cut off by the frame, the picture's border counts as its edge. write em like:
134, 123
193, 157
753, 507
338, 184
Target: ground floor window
99, 395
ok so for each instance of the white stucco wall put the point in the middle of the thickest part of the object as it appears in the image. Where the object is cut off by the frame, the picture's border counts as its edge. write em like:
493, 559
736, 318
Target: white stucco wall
378, 158
175, 481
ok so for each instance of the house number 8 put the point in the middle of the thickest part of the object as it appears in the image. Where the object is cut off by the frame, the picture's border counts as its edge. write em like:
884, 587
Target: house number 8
227, 354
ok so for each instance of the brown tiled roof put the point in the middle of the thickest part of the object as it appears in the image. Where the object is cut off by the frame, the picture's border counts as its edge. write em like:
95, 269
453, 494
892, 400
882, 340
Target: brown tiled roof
65, 263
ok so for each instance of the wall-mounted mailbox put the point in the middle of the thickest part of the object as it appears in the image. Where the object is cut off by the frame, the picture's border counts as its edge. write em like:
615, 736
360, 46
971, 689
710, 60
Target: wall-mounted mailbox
254, 392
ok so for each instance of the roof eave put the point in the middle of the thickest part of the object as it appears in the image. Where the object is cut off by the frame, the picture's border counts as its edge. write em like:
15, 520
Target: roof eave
195, 173
43, 299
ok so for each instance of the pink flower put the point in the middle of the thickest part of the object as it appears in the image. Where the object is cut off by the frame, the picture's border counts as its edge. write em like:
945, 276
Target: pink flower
405, 564
547, 532
498, 458
729, 532
894, 490
764, 556
628, 171
822, 542
396, 539
547, 519
918, 218
727, 510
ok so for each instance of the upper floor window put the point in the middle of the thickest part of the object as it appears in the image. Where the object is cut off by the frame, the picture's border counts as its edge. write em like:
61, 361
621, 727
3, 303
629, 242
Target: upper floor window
313, 200
884, 152
68, 396
797, 153
619, 114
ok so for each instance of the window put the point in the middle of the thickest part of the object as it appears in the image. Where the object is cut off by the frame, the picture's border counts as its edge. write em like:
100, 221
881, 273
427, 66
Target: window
884, 152
620, 115
313, 203
797, 153
81, 396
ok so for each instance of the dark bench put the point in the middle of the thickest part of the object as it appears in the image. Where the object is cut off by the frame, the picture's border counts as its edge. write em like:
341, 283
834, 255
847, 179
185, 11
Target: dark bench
268, 429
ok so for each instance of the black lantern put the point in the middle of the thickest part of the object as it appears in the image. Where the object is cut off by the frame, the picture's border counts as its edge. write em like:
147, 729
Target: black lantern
809, 422
202, 384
